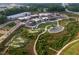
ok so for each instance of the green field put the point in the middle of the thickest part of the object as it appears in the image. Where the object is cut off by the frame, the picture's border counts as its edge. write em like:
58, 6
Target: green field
72, 49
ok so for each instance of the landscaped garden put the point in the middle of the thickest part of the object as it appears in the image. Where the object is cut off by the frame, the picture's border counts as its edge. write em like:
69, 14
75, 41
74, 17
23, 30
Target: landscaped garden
48, 43
22, 42
56, 41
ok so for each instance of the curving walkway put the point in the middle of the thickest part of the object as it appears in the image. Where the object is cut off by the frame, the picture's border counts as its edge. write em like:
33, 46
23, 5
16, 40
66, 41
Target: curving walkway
34, 48
67, 46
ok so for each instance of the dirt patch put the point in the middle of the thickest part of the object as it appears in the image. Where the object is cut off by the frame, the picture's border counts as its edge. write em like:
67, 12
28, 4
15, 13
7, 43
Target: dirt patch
3, 31
29, 47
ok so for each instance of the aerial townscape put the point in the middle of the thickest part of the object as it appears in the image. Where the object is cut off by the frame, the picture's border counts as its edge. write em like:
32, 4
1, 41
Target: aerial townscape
39, 28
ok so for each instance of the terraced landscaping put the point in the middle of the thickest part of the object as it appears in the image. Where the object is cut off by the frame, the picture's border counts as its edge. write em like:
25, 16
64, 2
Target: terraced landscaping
9, 26
22, 42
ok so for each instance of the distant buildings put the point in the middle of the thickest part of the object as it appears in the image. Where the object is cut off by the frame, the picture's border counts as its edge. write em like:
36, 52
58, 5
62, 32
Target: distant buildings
16, 16
45, 14
14, 5
8, 6
24, 18
32, 20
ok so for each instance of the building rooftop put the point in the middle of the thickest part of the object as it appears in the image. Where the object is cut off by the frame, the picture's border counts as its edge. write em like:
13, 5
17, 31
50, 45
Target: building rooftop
36, 19
26, 17
18, 15
44, 14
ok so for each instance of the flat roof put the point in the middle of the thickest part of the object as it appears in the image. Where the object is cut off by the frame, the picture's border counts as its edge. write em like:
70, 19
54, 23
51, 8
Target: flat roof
36, 19
19, 14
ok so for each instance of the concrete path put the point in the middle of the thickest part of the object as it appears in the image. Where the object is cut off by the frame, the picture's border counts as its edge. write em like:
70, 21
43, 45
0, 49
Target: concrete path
67, 46
34, 48
53, 49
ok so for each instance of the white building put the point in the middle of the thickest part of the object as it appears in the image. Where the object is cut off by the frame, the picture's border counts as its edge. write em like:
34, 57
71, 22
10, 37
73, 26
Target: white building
25, 17
34, 15
45, 18
44, 14
15, 16
36, 19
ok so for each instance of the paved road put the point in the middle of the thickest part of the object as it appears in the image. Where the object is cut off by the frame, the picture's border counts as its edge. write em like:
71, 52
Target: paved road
34, 48
66, 4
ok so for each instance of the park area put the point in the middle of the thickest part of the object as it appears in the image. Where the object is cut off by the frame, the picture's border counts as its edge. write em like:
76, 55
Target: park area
22, 42
51, 43
71, 49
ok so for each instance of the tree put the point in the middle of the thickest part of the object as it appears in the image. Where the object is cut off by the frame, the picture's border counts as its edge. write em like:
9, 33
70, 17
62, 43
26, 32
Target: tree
2, 19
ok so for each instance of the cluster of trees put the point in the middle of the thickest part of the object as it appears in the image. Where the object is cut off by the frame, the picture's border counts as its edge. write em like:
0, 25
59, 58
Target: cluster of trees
25, 34
2, 19
42, 45
12, 11
33, 8
7, 12
56, 8
57, 42
73, 7
72, 30
17, 51
11, 24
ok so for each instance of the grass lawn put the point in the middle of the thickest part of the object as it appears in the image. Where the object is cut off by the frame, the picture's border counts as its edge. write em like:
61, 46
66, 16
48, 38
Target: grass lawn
72, 49
48, 23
